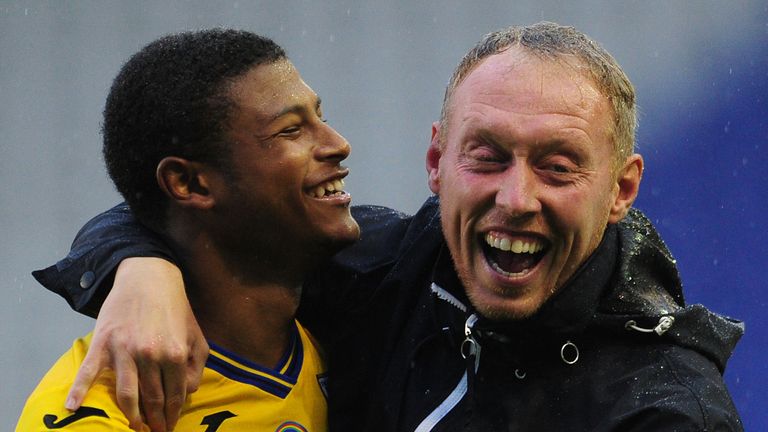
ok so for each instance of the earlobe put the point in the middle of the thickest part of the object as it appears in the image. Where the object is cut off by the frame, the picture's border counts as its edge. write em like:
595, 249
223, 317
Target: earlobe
433, 159
184, 182
627, 185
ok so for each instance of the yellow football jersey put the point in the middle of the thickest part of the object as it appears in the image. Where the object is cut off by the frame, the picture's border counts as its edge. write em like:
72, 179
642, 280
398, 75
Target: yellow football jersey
234, 395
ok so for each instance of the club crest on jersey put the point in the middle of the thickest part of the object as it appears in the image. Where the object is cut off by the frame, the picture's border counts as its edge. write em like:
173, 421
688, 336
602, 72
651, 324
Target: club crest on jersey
291, 426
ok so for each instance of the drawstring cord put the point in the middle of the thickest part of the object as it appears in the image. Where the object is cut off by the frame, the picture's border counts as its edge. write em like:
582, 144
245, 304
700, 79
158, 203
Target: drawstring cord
665, 323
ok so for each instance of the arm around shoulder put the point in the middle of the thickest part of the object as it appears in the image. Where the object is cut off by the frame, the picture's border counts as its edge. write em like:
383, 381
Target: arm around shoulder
85, 276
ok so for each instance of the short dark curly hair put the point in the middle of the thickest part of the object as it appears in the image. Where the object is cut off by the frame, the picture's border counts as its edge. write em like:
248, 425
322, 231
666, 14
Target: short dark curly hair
171, 99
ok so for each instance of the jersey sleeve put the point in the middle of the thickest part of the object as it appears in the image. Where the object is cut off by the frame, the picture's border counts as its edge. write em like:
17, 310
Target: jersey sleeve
85, 275
44, 410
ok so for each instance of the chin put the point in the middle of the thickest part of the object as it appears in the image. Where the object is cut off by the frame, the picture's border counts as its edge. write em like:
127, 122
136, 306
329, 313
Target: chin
350, 233
342, 239
499, 308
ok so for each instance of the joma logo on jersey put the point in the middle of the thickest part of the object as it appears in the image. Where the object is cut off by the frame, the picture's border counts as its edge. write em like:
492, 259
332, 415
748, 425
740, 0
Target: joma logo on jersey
214, 421
290, 426
49, 420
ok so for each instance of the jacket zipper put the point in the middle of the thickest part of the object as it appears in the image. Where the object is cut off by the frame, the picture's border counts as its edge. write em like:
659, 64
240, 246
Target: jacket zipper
469, 348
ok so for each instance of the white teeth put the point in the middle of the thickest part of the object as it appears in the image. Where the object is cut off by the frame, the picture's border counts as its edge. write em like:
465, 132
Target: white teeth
503, 244
508, 274
327, 188
516, 246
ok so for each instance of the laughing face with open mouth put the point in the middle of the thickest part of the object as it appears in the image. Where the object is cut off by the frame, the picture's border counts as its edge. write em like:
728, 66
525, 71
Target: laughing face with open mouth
288, 203
526, 177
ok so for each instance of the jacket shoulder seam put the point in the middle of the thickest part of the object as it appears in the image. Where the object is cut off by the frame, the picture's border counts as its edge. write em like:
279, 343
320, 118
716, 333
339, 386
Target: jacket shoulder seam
674, 372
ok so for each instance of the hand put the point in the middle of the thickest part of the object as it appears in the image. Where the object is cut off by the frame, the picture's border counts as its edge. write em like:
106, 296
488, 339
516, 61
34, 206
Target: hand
147, 333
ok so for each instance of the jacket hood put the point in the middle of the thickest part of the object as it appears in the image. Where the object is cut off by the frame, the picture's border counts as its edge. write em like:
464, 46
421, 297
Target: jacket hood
648, 292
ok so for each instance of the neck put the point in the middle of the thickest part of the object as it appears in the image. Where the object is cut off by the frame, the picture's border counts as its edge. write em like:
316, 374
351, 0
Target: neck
244, 307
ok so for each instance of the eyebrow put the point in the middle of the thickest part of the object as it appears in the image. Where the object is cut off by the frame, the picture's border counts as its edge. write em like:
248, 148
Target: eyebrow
572, 148
296, 109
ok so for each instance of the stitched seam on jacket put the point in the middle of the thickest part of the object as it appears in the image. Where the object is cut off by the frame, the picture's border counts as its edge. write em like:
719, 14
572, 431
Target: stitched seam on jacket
673, 371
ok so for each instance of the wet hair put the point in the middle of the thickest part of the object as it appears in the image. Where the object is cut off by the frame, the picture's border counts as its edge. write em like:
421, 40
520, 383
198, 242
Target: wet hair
172, 99
553, 42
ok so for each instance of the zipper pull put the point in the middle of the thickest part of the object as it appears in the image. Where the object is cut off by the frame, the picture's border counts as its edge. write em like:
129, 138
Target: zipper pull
470, 347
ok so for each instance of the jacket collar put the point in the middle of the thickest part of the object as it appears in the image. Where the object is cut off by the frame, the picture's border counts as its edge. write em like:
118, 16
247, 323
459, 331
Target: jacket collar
630, 277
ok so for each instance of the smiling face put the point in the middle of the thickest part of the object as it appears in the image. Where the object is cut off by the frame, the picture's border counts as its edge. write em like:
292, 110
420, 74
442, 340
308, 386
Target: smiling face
286, 203
524, 175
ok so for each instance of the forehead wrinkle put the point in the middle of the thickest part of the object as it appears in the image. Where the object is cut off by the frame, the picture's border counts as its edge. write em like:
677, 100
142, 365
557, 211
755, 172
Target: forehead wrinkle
546, 68
581, 102
477, 115
541, 103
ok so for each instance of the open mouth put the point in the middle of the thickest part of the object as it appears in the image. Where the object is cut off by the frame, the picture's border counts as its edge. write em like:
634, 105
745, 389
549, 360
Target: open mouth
512, 257
328, 189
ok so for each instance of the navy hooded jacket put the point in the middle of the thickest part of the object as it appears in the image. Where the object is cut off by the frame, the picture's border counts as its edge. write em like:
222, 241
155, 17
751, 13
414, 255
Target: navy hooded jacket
615, 349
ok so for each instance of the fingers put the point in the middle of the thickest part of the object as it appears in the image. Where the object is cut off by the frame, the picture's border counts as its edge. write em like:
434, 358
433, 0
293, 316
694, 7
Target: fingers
152, 396
127, 389
175, 386
84, 379
154, 332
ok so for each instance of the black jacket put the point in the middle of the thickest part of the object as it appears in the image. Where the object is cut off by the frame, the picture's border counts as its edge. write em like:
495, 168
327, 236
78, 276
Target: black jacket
615, 349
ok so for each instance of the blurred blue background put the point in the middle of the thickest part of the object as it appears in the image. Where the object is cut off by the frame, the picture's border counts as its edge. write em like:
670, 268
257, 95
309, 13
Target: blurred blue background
706, 189
700, 69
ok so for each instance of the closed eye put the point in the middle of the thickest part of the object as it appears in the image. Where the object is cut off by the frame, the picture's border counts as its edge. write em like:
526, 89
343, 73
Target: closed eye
560, 169
482, 152
289, 131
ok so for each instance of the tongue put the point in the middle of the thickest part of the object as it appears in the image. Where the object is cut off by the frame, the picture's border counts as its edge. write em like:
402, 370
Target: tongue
512, 262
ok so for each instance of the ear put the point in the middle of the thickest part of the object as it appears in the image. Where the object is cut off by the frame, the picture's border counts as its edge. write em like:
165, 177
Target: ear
627, 186
185, 182
433, 159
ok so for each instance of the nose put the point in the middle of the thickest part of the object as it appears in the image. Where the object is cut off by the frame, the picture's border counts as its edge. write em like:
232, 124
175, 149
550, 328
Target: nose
332, 147
518, 192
